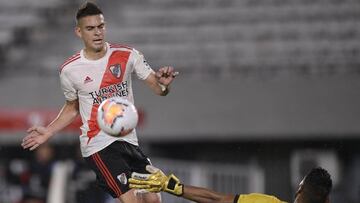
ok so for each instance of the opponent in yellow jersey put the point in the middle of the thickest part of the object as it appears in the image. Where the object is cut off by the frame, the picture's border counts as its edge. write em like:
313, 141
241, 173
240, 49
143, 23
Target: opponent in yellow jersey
315, 187
256, 198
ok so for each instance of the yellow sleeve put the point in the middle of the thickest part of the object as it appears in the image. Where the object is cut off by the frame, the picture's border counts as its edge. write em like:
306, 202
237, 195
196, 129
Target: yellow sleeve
258, 198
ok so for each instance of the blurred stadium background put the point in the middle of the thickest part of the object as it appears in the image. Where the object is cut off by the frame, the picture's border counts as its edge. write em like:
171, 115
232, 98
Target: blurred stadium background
268, 89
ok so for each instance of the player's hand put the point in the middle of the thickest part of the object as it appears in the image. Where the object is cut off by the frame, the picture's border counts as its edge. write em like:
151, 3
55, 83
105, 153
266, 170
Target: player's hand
35, 137
156, 181
165, 75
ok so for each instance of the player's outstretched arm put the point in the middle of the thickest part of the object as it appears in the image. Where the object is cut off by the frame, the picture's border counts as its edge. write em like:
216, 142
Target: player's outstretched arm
202, 195
160, 81
37, 135
157, 181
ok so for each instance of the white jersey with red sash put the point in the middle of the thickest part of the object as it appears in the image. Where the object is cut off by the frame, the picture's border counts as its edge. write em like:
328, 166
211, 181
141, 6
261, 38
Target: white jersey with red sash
92, 81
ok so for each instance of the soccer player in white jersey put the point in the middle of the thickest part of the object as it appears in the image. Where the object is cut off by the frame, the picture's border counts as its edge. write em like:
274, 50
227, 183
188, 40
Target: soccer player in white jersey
99, 71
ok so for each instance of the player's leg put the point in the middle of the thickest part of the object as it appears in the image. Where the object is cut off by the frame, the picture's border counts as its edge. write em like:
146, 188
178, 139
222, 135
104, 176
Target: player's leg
102, 164
151, 197
114, 165
138, 164
132, 196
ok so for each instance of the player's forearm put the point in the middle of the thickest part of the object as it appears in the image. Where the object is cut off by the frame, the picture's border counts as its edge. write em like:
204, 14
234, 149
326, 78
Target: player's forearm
203, 195
160, 89
156, 86
66, 116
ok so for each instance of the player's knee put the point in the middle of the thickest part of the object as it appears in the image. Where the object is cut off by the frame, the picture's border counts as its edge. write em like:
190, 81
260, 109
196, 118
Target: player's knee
153, 198
132, 196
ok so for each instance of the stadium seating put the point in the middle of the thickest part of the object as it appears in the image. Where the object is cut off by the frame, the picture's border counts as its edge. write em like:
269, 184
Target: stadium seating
219, 37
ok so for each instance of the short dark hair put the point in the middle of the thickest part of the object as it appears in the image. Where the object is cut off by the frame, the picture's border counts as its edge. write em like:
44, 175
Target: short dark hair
87, 9
317, 186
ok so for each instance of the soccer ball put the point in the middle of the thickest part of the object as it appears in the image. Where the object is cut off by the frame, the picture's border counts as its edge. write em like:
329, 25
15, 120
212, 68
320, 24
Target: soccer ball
117, 116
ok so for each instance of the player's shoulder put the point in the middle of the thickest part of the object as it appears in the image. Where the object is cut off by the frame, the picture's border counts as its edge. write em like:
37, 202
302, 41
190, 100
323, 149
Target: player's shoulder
114, 46
121, 47
72, 59
258, 198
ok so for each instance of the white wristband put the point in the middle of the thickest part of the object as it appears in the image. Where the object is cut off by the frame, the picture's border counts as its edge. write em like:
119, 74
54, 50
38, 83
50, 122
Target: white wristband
163, 87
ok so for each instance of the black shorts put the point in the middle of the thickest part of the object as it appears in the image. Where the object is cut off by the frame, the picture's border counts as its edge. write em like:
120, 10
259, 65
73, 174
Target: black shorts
114, 164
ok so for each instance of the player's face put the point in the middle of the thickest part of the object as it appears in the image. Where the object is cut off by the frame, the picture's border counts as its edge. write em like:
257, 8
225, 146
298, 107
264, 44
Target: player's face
91, 29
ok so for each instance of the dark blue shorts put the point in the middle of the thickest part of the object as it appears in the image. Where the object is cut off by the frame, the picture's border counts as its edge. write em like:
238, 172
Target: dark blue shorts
114, 164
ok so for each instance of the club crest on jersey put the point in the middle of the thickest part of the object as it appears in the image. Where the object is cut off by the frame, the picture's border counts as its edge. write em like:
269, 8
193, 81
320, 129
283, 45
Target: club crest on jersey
115, 70
122, 178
